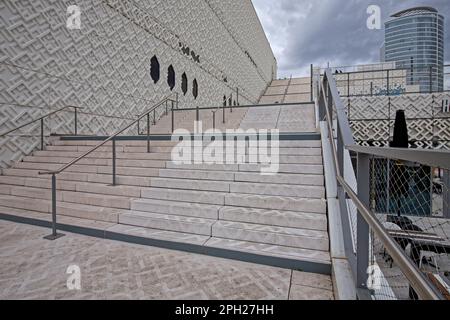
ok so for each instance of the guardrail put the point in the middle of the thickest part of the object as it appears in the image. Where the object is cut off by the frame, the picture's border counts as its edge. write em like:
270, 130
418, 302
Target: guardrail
41, 119
353, 82
111, 138
333, 112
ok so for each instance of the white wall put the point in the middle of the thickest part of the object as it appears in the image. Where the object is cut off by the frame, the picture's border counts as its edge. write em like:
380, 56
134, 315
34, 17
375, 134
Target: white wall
105, 66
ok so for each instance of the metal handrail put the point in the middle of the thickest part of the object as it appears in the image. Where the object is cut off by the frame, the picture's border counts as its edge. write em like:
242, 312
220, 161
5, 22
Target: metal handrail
111, 137
431, 158
411, 271
39, 119
248, 106
53, 173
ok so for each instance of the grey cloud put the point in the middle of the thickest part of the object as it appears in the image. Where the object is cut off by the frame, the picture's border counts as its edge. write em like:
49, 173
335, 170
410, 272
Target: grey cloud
302, 32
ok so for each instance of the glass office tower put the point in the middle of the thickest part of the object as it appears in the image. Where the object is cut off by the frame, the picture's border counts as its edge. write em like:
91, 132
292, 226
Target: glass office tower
414, 40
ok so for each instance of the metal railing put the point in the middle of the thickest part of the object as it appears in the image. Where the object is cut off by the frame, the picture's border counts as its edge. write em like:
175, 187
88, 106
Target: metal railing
332, 110
352, 82
111, 138
41, 120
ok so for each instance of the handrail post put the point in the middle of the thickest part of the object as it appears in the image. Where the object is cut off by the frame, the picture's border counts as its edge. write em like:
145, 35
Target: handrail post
176, 93
197, 114
42, 134
167, 112
154, 116
138, 126
173, 118
387, 83
348, 84
114, 161
311, 81
214, 119
54, 234
362, 244
148, 133
431, 76
446, 194
223, 114
76, 121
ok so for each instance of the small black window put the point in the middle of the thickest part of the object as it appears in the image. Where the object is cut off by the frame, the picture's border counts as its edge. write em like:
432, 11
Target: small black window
154, 69
184, 83
195, 88
171, 77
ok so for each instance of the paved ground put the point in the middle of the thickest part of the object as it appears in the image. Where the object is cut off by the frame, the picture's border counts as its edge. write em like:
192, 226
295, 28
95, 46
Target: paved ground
34, 268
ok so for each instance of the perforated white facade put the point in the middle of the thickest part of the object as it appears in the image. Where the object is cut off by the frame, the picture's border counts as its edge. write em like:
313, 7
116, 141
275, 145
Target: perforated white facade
104, 67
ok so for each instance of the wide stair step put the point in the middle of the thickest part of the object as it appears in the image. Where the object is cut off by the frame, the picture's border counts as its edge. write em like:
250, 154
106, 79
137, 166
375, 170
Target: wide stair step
276, 203
283, 236
282, 218
176, 208
130, 171
278, 190
272, 250
104, 155
97, 161
88, 198
185, 184
9, 203
281, 178
159, 234
63, 185
168, 222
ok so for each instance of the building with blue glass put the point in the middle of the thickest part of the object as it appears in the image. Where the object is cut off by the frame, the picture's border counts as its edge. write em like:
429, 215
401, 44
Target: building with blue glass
414, 40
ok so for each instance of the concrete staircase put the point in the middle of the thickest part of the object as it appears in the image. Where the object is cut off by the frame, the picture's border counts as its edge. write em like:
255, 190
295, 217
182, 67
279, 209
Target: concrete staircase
230, 207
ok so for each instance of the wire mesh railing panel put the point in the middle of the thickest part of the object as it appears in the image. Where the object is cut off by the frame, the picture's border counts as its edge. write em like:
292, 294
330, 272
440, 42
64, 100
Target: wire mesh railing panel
412, 202
372, 119
386, 280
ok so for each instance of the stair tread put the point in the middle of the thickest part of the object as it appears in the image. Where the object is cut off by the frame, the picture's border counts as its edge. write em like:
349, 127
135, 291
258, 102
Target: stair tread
47, 191
276, 202
63, 208
67, 185
61, 219
158, 234
271, 229
173, 217
283, 218
181, 203
270, 250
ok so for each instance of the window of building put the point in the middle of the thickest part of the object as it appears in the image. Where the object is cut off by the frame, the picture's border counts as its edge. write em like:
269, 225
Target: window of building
171, 77
184, 83
195, 88
154, 69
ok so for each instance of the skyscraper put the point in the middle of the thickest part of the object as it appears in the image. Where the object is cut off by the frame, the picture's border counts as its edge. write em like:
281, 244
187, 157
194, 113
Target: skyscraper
414, 40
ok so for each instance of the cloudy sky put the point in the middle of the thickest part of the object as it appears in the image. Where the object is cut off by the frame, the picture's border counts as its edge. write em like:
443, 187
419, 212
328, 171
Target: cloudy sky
302, 32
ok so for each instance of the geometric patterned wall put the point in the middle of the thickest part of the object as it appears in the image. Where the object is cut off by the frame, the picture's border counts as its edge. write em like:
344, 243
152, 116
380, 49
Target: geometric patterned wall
372, 118
105, 66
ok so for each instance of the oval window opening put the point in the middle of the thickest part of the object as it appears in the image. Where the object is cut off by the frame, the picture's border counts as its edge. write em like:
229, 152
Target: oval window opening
184, 83
195, 88
154, 69
171, 77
